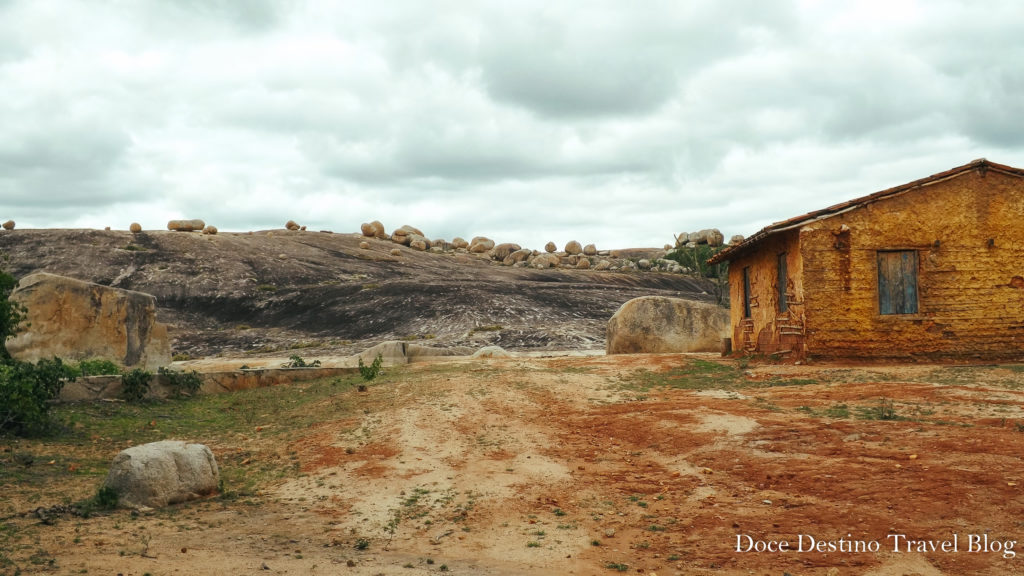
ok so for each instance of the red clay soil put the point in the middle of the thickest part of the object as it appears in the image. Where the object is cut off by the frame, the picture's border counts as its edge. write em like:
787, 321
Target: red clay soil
552, 466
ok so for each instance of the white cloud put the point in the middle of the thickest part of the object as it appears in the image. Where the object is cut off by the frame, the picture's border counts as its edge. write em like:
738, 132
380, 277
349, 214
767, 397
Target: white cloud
523, 121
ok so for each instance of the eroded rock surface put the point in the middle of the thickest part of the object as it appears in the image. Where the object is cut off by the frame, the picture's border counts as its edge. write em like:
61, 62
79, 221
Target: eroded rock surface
74, 320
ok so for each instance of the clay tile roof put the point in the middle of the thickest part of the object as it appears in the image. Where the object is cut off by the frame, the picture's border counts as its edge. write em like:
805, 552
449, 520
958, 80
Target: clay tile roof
743, 247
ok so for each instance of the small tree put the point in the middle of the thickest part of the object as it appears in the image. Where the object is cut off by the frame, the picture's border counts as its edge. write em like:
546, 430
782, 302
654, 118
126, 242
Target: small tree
11, 314
26, 389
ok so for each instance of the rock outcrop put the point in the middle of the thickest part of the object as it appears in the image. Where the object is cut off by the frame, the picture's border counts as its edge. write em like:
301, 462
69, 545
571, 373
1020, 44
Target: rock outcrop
459, 242
573, 247
162, 473
9, 225
292, 225
550, 247
394, 352
210, 230
135, 228
660, 324
75, 320
590, 250
491, 352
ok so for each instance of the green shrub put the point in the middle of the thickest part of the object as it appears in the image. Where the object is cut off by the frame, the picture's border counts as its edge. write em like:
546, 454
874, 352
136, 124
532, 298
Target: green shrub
97, 367
181, 383
11, 313
370, 372
26, 392
296, 361
135, 384
106, 498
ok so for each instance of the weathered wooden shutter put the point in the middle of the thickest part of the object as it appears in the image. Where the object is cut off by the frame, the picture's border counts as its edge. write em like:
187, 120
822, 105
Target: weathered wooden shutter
897, 282
746, 292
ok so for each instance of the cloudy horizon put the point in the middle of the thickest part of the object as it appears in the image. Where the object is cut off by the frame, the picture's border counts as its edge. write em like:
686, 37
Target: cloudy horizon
524, 122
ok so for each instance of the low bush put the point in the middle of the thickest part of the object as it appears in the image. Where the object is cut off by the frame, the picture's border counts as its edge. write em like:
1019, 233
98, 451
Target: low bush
370, 372
181, 383
135, 384
26, 393
97, 367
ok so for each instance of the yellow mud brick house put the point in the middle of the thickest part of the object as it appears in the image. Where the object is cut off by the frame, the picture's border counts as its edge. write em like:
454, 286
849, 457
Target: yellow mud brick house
927, 270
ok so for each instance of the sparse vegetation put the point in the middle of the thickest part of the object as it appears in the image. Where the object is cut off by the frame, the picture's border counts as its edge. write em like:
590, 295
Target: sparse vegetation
696, 259
370, 372
296, 361
181, 383
884, 410
135, 384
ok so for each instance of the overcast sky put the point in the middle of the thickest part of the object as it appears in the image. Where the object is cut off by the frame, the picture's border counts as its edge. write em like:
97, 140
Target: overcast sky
618, 123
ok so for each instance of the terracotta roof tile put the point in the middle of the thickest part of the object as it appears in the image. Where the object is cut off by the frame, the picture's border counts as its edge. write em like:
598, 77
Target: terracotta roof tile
980, 164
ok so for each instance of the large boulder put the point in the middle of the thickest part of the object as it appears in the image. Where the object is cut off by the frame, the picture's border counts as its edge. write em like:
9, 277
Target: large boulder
545, 261
374, 230
162, 473
417, 242
404, 235
186, 225
712, 237
459, 242
550, 247
518, 256
480, 244
573, 247
590, 250
502, 251
76, 320
660, 324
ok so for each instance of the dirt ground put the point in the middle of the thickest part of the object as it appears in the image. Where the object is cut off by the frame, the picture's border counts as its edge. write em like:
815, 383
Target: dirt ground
567, 465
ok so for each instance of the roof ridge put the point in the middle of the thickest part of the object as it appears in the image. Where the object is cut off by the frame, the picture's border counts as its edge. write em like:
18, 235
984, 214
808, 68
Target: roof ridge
980, 163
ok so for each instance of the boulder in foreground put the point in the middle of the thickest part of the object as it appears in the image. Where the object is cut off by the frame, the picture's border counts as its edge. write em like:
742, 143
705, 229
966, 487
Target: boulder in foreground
653, 324
162, 473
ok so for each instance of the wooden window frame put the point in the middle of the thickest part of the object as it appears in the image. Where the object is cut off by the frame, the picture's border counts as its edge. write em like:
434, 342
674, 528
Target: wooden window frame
783, 278
898, 291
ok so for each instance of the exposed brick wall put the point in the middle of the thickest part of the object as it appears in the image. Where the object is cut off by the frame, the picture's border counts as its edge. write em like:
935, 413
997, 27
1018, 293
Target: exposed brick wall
966, 303
970, 291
